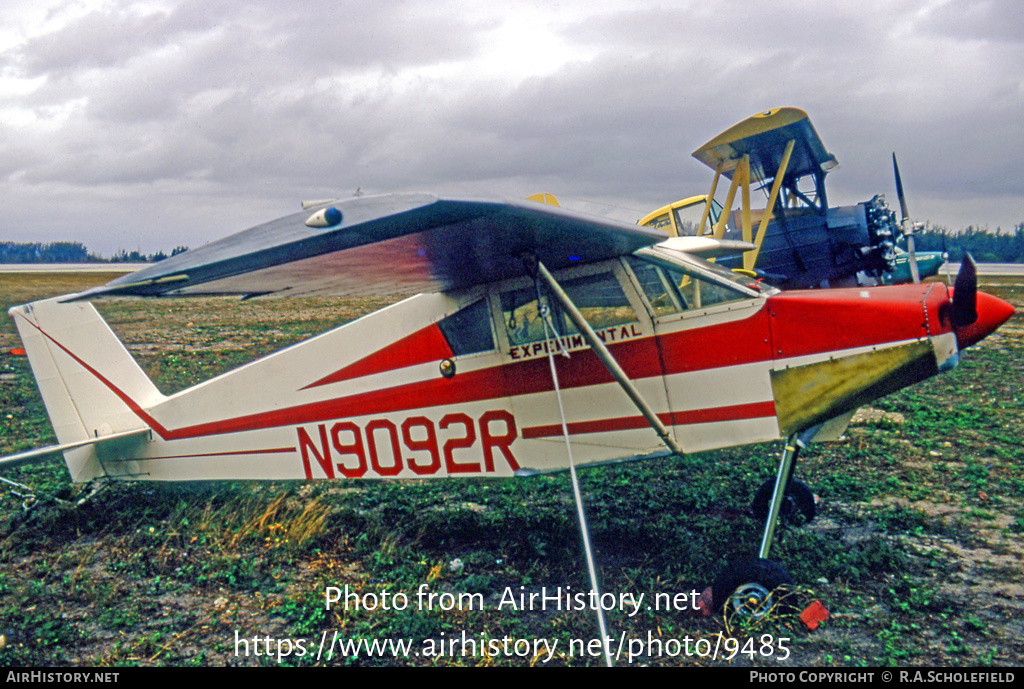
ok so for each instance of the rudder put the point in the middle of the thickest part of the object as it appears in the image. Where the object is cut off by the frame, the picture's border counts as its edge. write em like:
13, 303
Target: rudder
90, 384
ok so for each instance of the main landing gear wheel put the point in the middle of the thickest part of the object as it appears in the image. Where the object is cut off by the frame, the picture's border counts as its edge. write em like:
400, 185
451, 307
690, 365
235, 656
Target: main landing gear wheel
752, 589
798, 506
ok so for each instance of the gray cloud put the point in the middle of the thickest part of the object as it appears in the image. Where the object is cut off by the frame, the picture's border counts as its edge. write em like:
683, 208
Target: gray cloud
154, 121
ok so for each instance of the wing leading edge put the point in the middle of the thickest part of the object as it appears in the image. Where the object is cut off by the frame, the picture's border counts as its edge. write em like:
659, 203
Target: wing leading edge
389, 244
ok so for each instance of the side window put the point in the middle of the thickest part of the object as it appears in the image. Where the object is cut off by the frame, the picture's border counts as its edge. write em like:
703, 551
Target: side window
598, 297
601, 300
522, 317
468, 330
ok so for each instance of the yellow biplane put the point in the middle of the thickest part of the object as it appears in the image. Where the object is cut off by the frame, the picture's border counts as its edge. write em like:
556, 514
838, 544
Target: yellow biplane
798, 240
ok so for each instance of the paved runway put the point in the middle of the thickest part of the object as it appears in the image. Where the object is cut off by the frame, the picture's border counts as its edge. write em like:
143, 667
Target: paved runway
992, 268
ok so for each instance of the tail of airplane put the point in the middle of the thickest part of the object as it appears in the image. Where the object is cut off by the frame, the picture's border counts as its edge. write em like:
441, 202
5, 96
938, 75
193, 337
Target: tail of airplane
94, 391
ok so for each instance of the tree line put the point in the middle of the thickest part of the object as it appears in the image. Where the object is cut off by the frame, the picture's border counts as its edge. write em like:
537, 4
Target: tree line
986, 247
72, 252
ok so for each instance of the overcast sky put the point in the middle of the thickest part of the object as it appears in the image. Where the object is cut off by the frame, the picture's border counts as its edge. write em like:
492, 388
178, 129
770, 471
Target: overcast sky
147, 125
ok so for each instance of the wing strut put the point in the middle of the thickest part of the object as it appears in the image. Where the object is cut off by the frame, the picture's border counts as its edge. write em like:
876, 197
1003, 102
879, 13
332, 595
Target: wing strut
780, 175
591, 568
599, 348
607, 359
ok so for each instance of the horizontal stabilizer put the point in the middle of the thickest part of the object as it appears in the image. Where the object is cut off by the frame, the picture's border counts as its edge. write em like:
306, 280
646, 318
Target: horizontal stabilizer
50, 451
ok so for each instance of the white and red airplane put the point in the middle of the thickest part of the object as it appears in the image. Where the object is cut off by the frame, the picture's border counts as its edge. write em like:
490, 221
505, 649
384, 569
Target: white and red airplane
520, 309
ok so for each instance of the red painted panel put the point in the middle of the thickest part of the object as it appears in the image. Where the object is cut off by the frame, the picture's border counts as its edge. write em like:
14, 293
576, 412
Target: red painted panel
816, 321
738, 342
420, 347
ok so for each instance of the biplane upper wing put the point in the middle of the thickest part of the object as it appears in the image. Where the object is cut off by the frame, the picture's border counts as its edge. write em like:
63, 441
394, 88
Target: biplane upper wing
388, 244
764, 137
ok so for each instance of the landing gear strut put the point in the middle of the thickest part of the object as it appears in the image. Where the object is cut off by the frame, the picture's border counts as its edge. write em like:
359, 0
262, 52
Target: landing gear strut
789, 454
798, 506
747, 587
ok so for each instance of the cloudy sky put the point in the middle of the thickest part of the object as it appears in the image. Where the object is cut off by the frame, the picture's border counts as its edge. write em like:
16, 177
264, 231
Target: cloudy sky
152, 124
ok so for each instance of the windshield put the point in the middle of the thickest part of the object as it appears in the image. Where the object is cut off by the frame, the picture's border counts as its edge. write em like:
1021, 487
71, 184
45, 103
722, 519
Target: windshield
678, 261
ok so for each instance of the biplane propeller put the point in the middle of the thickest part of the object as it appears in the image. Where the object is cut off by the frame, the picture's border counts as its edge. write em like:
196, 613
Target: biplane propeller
908, 226
912, 265
521, 314
799, 241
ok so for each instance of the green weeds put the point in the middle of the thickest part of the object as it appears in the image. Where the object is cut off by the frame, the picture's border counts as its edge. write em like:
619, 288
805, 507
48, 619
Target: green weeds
166, 574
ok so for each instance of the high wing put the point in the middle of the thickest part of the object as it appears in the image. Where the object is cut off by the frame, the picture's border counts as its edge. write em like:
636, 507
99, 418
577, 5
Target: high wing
390, 244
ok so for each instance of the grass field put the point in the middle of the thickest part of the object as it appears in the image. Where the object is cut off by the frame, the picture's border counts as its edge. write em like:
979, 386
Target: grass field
916, 551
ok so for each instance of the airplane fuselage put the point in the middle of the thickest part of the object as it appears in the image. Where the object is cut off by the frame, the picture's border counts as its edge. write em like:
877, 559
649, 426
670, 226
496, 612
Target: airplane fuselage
460, 384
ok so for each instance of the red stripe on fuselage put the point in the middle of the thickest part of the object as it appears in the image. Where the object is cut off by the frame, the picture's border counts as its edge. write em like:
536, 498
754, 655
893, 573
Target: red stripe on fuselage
719, 346
735, 412
743, 341
268, 451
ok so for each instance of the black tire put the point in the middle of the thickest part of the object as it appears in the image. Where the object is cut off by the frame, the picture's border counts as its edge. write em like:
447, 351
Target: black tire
753, 588
798, 505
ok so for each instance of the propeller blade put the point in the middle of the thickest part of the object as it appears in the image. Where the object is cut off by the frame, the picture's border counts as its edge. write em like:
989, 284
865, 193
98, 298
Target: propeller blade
904, 213
965, 294
908, 224
945, 259
915, 274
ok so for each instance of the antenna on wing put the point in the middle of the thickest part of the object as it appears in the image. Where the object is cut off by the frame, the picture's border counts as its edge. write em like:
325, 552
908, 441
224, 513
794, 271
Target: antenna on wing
314, 203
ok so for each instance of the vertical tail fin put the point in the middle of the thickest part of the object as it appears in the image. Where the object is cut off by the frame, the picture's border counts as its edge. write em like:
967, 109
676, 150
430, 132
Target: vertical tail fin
91, 385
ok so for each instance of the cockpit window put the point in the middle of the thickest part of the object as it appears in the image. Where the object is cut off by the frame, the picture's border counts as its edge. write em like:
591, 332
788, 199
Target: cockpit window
688, 219
661, 292
599, 298
699, 294
468, 330
670, 289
